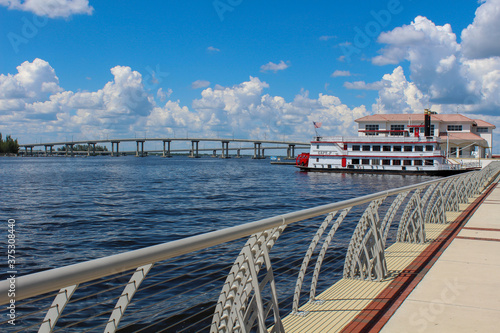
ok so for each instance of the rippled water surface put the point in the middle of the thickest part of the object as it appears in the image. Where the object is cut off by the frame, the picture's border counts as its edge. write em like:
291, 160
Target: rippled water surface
69, 210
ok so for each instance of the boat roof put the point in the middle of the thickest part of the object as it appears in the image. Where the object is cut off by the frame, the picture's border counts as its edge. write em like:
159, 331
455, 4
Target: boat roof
419, 117
461, 136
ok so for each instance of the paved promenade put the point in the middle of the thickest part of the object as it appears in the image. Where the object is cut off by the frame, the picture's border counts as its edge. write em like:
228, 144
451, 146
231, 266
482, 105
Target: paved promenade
461, 291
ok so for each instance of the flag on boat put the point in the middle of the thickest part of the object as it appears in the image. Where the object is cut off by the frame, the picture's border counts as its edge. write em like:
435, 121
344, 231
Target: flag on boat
317, 124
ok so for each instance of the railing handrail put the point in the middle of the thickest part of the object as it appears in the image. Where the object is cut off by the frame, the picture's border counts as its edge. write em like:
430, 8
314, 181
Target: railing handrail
54, 279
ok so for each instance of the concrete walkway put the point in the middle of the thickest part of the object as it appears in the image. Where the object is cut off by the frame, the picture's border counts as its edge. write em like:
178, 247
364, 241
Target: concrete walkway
461, 292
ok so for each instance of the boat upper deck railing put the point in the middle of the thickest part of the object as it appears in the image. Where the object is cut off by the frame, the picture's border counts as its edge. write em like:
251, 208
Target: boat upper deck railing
374, 138
243, 278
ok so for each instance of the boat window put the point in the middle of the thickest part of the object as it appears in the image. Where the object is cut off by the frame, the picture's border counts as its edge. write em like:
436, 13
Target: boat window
366, 148
397, 148
419, 148
417, 162
429, 162
396, 162
408, 148
454, 128
365, 161
376, 148
386, 162
355, 161
407, 162
397, 130
356, 147
317, 159
317, 146
387, 148
371, 128
429, 148
375, 162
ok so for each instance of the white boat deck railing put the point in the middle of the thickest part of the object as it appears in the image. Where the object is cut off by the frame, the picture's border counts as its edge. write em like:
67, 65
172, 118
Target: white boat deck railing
384, 139
242, 278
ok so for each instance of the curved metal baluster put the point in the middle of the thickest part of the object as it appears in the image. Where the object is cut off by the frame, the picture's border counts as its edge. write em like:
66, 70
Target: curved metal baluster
324, 248
412, 228
425, 199
450, 195
391, 214
126, 296
56, 309
462, 192
240, 302
436, 211
307, 258
365, 255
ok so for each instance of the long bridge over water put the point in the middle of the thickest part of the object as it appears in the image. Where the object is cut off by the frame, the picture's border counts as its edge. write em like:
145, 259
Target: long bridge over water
258, 148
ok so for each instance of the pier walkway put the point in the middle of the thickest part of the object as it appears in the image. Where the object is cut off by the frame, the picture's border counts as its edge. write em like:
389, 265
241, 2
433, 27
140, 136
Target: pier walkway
461, 292
448, 284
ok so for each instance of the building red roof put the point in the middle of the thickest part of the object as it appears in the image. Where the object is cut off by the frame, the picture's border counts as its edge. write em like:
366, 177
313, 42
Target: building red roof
482, 123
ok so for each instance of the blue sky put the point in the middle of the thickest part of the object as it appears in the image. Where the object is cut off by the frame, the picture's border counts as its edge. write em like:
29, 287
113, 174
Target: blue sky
238, 67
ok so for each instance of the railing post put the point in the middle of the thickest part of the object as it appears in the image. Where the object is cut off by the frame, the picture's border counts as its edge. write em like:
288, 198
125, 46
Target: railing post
56, 309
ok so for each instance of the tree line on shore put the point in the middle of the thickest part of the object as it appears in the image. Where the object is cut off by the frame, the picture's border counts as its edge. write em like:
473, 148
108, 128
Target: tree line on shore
9, 145
84, 148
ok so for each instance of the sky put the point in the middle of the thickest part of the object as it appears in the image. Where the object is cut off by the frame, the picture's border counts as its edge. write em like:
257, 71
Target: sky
88, 70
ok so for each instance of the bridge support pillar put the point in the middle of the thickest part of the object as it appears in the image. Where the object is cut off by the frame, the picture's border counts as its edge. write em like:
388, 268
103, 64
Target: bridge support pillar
70, 147
142, 149
90, 144
225, 149
117, 148
46, 152
214, 153
238, 151
258, 152
290, 152
31, 150
194, 149
166, 153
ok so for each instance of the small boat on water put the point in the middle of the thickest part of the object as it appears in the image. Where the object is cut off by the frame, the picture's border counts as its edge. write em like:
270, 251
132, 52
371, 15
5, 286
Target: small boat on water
401, 152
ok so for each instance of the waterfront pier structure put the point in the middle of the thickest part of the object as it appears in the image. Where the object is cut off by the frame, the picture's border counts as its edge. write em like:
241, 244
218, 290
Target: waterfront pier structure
258, 148
295, 273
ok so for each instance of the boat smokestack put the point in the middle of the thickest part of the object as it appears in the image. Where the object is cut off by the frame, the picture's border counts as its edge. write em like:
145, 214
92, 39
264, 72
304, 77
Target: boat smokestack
427, 123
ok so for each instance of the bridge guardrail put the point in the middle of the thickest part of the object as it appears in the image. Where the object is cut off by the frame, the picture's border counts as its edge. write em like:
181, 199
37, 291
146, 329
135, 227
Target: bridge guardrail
185, 285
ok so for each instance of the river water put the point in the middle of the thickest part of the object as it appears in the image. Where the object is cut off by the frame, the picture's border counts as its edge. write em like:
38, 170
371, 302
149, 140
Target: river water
69, 210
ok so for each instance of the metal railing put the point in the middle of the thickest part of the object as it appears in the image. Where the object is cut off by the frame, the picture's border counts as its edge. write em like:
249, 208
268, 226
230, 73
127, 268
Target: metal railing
184, 285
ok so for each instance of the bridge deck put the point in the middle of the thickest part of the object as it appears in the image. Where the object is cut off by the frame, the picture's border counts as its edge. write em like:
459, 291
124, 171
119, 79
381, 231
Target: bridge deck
355, 305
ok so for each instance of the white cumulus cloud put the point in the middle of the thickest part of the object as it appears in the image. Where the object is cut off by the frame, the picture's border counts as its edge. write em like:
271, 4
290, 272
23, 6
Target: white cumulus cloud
50, 8
271, 66
200, 84
338, 73
362, 85
480, 39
